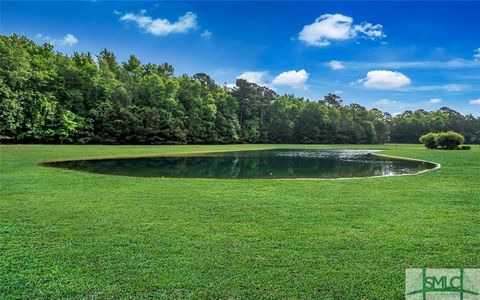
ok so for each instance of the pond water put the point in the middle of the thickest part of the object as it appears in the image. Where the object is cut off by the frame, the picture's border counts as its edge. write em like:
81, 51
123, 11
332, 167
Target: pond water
278, 163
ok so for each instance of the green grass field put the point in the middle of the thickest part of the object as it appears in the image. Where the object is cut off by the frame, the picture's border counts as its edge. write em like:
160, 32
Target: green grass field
67, 234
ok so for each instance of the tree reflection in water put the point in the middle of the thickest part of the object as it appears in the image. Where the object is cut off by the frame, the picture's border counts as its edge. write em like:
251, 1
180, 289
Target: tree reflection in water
279, 163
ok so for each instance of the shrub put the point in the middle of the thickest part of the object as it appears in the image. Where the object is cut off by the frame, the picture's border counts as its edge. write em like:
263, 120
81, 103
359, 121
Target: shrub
429, 140
465, 147
449, 140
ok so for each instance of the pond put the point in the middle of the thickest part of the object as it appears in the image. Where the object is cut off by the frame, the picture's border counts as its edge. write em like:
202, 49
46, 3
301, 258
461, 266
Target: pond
278, 163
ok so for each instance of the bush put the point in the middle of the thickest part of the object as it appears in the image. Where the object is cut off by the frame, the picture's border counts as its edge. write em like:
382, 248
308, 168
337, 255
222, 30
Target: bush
465, 147
429, 140
449, 140
445, 140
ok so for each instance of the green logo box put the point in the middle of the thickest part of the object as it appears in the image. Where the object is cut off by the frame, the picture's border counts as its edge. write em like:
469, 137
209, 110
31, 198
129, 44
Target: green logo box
442, 284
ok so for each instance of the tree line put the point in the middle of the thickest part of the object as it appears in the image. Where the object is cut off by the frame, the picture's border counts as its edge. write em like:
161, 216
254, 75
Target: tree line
50, 97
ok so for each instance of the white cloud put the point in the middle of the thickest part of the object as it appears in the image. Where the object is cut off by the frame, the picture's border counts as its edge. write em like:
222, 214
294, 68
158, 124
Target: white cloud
206, 34
338, 92
162, 27
337, 27
230, 85
295, 79
253, 77
435, 100
476, 54
336, 65
475, 102
453, 87
45, 39
117, 12
326, 27
369, 30
69, 40
385, 80
386, 102
457, 63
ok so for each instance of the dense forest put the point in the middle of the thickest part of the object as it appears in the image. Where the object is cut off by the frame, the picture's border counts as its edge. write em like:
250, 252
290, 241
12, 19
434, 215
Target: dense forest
49, 97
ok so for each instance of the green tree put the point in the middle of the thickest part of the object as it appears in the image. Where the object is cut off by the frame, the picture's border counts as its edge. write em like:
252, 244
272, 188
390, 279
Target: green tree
46, 96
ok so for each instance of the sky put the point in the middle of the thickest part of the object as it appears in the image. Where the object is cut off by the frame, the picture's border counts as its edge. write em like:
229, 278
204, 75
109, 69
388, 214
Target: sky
394, 56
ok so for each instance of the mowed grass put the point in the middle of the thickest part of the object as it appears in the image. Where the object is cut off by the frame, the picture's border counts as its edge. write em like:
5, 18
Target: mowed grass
67, 234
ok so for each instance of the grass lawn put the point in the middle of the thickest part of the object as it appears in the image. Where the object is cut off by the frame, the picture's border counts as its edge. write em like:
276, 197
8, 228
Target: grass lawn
67, 234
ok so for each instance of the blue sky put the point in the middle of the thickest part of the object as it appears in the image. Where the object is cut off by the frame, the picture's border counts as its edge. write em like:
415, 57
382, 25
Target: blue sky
390, 55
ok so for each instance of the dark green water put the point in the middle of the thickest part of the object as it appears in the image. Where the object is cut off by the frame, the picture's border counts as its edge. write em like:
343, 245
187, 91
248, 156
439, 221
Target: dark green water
254, 164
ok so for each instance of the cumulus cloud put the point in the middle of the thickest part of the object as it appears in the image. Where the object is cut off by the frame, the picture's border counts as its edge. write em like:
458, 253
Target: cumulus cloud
325, 28
435, 100
206, 35
69, 40
295, 79
385, 80
369, 30
386, 102
254, 77
476, 54
336, 65
475, 102
337, 27
162, 27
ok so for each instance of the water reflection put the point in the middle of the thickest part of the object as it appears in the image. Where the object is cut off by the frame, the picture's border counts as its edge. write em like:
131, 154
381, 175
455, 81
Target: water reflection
283, 163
